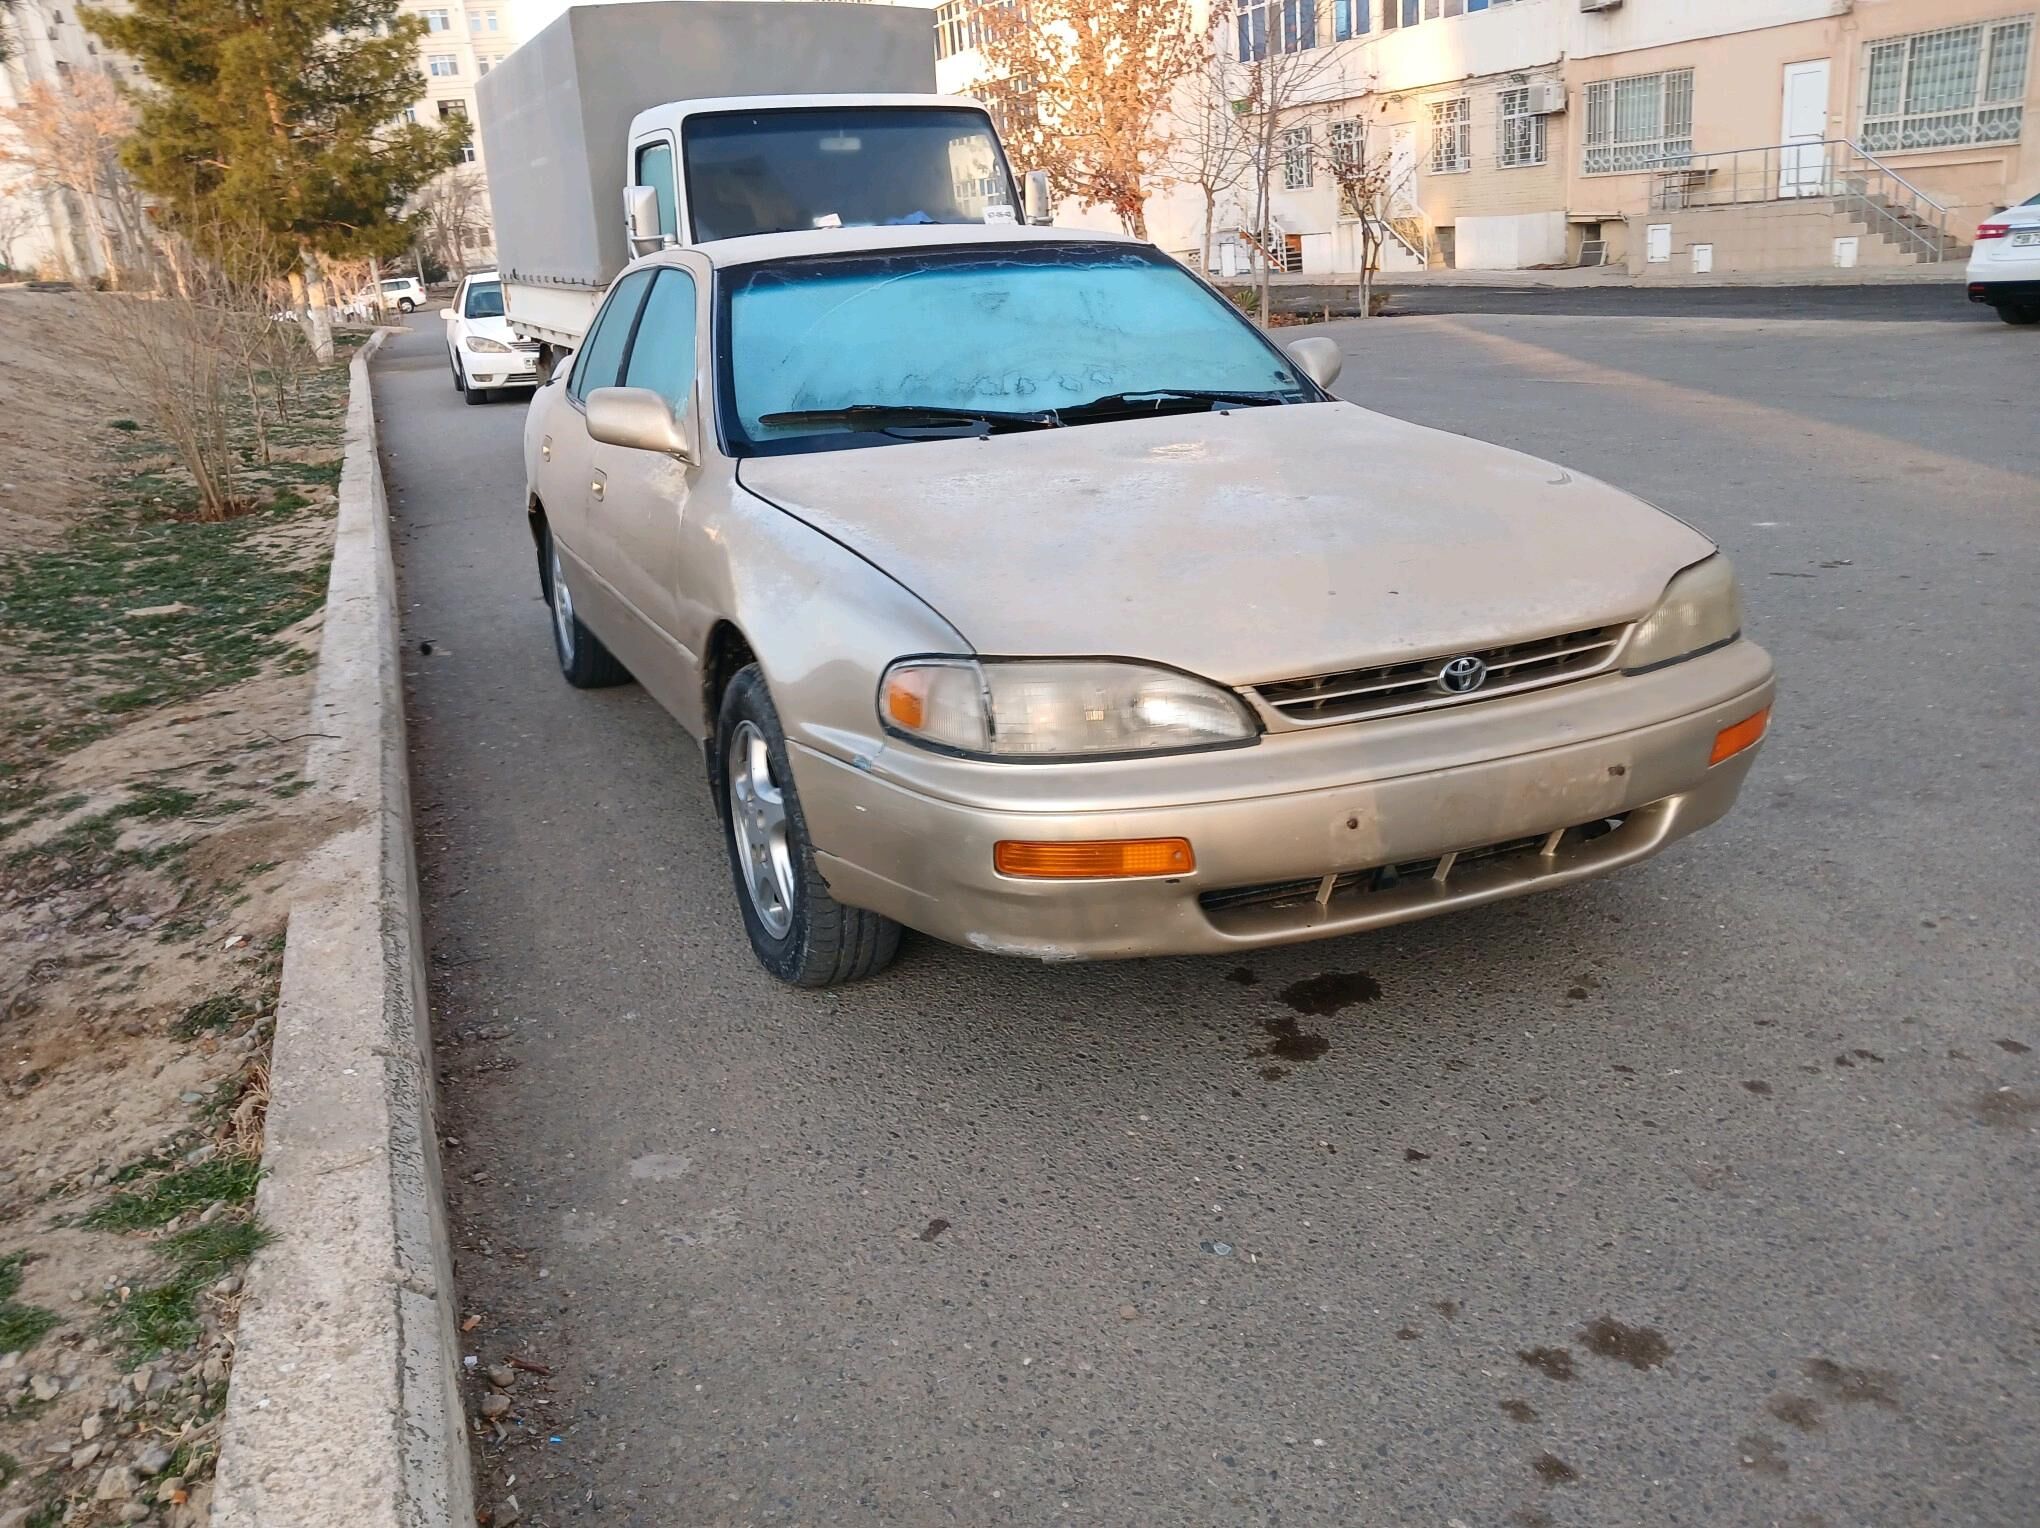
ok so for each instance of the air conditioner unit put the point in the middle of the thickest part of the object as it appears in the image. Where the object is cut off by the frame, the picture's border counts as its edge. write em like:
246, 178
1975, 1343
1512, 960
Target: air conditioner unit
1547, 98
1600, 5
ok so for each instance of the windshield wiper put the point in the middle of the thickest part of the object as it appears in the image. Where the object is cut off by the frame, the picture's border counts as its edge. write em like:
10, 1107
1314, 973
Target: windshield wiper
1157, 399
882, 417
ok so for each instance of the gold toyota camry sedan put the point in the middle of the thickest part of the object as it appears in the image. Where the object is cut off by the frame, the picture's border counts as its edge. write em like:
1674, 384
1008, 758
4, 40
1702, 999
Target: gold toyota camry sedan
1022, 593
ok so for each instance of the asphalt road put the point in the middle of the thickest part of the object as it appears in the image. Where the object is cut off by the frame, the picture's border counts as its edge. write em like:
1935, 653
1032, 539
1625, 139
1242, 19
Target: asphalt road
1704, 1194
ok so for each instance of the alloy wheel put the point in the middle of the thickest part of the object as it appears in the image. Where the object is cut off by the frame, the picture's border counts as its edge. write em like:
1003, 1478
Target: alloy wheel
758, 818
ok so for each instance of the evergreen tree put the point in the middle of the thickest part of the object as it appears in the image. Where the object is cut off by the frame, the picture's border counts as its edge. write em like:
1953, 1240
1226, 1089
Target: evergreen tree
283, 116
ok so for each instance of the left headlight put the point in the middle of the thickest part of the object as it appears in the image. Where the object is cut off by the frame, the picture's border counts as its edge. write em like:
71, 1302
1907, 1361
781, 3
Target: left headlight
1057, 709
486, 346
1700, 611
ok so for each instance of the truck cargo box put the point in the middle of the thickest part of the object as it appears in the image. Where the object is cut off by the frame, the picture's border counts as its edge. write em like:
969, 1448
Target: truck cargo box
556, 114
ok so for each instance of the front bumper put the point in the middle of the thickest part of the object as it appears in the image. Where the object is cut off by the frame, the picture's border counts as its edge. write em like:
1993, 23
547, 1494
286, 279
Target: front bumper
1530, 810
517, 369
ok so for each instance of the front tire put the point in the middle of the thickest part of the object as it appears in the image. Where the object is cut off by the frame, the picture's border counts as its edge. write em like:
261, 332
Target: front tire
406, 306
585, 662
799, 932
459, 381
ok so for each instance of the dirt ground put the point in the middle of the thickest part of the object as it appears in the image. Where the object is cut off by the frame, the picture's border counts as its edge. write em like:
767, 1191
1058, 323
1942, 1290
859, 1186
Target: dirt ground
155, 684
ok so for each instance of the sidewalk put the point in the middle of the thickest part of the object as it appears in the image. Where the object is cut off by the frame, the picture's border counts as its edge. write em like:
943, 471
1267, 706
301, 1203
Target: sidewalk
1949, 272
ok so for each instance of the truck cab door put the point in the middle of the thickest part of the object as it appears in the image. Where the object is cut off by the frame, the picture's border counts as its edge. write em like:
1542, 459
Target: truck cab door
655, 163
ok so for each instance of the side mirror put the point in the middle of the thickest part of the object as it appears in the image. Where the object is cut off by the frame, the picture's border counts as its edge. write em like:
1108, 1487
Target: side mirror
1040, 210
638, 419
1318, 358
641, 219
446, 314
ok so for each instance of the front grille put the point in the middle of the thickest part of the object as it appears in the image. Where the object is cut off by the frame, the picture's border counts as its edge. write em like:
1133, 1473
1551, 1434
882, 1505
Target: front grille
526, 345
1415, 685
1439, 870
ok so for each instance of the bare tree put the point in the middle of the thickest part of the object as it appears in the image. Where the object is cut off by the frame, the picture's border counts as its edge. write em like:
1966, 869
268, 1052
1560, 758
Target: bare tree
455, 210
69, 140
17, 215
1277, 87
1208, 142
176, 358
1366, 179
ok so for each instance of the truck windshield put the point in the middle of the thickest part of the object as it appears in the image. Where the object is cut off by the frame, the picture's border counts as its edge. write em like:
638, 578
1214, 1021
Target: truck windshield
822, 167
870, 348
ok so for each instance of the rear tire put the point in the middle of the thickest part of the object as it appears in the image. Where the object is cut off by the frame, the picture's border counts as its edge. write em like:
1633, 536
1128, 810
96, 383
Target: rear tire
799, 932
585, 662
2019, 315
405, 305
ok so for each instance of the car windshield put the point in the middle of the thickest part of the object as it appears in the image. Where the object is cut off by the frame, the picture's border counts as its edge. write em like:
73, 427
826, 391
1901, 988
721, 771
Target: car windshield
816, 167
484, 300
874, 347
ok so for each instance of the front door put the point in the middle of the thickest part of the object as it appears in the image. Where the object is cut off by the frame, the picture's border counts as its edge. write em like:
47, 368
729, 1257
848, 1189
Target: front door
1802, 162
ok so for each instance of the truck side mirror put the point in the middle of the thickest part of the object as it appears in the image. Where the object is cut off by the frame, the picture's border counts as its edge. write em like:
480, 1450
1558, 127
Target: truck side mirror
641, 219
1040, 210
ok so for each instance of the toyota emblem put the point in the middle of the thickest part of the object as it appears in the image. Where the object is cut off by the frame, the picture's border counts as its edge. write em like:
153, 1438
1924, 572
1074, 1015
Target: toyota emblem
1462, 676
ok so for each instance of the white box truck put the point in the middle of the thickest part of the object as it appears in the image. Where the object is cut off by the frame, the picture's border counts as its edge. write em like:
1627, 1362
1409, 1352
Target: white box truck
622, 128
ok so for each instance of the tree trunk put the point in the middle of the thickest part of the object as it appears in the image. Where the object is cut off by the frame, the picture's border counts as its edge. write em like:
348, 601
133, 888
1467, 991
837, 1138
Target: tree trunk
1210, 215
319, 317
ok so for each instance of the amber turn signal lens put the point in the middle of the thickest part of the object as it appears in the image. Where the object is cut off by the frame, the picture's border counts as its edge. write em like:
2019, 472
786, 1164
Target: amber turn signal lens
1730, 741
1094, 861
906, 700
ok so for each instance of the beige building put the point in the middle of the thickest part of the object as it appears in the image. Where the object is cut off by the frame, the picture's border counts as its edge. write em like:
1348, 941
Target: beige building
46, 230
1669, 134
464, 40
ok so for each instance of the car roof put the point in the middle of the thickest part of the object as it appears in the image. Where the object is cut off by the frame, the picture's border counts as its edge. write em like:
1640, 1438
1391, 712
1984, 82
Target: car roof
474, 276
806, 242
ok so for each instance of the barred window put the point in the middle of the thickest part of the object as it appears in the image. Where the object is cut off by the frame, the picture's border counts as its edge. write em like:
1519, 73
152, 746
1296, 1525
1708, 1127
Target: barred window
1451, 135
952, 28
1521, 140
1943, 89
1644, 122
1296, 165
1346, 141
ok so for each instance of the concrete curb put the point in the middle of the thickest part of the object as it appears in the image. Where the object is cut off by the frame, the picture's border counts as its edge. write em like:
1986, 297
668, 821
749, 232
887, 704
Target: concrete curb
344, 1405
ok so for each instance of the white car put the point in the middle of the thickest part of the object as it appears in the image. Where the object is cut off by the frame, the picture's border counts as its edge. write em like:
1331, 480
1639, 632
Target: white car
484, 352
2004, 268
404, 293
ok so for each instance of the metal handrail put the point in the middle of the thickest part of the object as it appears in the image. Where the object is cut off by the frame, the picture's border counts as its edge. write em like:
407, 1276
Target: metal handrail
1835, 169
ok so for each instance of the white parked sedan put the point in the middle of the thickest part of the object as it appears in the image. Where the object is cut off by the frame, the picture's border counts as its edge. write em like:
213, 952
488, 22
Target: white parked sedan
2004, 268
480, 346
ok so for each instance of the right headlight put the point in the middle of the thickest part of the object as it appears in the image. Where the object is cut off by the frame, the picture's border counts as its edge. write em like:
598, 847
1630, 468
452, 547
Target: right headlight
1700, 611
483, 344
1051, 709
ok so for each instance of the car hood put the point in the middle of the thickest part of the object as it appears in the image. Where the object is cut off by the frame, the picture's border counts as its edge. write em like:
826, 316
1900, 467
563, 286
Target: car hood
489, 328
1246, 546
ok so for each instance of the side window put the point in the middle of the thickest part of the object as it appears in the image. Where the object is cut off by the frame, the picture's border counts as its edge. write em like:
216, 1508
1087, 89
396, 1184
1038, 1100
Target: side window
662, 357
655, 169
602, 351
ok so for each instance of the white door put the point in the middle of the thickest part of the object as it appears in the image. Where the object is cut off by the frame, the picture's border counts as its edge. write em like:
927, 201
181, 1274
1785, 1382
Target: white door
1657, 243
1802, 161
1402, 170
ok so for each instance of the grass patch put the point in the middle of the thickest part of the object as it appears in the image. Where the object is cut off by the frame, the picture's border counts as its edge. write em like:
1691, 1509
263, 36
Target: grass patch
214, 1013
21, 1326
231, 1178
163, 1317
129, 425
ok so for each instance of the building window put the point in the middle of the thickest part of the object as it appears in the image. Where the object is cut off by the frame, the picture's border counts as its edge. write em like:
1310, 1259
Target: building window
438, 20
442, 65
1290, 25
1351, 18
1644, 122
467, 153
482, 21
1346, 142
483, 64
411, 115
1296, 168
1451, 135
1522, 134
1943, 89
453, 111
952, 28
